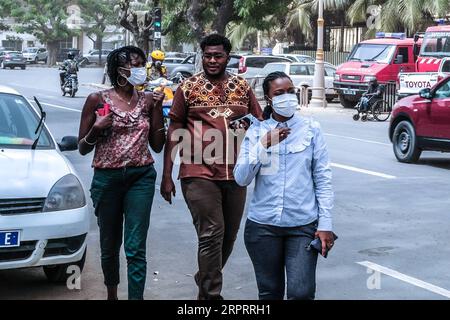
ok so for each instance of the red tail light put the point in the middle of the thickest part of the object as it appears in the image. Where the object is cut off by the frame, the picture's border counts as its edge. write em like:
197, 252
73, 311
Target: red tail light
242, 67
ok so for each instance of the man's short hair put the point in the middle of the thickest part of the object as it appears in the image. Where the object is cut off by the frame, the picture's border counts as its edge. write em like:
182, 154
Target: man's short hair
216, 40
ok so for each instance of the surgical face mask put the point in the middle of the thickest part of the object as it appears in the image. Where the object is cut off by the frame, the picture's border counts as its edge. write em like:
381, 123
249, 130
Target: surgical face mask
137, 76
285, 105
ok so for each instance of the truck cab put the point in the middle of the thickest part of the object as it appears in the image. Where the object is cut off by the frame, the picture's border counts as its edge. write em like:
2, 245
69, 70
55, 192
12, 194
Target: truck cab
433, 63
382, 58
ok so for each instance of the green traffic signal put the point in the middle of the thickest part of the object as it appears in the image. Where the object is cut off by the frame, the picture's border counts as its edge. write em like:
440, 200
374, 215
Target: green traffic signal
157, 24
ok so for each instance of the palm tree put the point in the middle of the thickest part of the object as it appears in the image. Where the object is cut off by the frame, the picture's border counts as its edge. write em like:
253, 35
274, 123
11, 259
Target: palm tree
299, 17
399, 15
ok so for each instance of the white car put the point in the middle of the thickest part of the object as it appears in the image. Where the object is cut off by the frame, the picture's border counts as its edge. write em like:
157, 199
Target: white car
302, 74
44, 218
34, 55
298, 57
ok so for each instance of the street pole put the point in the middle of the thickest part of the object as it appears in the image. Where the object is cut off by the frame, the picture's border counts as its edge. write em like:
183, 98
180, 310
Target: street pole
318, 95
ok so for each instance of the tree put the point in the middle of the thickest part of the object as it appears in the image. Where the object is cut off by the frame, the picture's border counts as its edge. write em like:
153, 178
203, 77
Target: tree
137, 17
400, 15
45, 19
97, 16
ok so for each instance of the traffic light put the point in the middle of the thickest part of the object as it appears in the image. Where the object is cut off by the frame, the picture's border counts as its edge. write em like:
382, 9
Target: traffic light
157, 27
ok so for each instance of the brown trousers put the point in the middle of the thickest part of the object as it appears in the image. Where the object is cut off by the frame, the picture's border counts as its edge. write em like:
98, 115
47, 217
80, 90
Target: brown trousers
216, 208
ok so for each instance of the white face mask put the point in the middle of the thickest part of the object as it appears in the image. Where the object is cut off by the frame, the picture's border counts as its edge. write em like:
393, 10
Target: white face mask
137, 76
285, 105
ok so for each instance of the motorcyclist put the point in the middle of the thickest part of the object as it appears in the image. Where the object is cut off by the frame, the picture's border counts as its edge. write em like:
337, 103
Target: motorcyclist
156, 69
69, 66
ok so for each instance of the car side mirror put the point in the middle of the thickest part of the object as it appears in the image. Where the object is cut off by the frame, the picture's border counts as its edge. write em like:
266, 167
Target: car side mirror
416, 49
68, 143
426, 93
399, 59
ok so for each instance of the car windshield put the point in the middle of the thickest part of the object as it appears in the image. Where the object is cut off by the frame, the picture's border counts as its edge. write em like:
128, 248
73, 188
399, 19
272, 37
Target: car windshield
30, 50
18, 123
380, 53
436, 44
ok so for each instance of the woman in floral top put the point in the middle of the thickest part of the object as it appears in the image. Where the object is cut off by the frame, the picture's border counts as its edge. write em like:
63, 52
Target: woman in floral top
120, 124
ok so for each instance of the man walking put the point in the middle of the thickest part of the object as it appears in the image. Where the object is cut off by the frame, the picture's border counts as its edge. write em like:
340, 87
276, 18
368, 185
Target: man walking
203, 107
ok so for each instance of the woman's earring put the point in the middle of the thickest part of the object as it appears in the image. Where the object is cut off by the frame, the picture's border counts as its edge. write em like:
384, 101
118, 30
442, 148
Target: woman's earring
122, 85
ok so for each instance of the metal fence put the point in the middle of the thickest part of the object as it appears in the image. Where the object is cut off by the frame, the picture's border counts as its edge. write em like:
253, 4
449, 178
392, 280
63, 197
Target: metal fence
390, 94
335, 58
304, 93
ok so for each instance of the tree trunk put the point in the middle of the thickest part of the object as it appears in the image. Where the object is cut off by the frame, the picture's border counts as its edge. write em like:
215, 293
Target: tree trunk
99, 47
142, 41
52, 48
194, 18
224, 16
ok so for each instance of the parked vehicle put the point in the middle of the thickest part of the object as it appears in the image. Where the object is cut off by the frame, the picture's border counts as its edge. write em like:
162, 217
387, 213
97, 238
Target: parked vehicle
12, 59
412, 83
382, 58
252, 65
298, 57
433, 63
34, 55
187, 67
44, 217
302, 74
93, 57
421, 122
171, 63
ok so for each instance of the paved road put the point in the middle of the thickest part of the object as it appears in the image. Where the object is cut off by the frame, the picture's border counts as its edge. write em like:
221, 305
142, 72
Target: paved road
391, 217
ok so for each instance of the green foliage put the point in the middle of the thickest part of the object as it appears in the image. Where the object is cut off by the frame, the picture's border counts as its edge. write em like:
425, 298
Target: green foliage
45, 19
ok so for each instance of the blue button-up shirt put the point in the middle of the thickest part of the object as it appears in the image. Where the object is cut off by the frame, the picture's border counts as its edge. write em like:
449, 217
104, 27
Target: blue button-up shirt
292, 178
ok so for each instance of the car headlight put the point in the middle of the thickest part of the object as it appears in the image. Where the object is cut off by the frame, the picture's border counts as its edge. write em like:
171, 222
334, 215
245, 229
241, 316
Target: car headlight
337, 77
369, 78
66, 194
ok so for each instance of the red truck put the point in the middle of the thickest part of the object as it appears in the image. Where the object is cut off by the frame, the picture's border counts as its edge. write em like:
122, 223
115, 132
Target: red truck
382, 58
433, 63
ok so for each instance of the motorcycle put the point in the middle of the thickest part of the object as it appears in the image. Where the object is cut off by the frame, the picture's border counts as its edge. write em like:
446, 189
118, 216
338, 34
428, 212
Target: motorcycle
168, 87
70, 85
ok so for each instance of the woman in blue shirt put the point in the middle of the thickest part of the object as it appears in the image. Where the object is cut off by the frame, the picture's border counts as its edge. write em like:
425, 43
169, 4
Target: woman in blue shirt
291, 205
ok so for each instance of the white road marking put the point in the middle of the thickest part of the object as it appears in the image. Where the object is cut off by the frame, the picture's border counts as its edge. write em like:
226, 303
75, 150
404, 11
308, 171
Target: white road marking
362, 140
403, 277
354, 169
58, 107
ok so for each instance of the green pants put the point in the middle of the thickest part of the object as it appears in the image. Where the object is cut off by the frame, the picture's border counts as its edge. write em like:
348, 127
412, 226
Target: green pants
122, 200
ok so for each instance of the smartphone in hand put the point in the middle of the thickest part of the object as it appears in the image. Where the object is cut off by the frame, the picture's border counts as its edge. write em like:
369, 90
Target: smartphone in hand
316, 244
103, 109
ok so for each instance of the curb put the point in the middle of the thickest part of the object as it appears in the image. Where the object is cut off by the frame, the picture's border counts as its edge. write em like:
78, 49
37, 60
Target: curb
97, 86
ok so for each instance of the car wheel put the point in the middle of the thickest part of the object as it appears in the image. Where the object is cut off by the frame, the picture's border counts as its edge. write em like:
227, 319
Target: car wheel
36, 60
58, 273
405, 143
45, 61
23, 67
347, 103
186, 74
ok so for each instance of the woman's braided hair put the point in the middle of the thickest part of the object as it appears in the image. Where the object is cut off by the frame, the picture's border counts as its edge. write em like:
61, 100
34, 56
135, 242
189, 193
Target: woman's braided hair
119, 58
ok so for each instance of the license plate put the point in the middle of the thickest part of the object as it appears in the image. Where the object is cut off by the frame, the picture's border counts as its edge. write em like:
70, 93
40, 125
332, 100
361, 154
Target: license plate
351, 92
17, 59
9, 238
